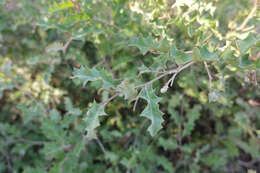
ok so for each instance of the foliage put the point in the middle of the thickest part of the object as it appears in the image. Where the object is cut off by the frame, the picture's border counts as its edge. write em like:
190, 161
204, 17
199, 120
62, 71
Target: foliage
177, 81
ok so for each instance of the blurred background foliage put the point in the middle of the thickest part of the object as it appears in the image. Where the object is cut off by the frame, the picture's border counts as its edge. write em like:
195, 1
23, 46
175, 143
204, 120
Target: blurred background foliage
208, 126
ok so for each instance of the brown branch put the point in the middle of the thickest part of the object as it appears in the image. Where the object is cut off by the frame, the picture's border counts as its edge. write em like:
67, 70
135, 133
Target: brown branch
251, 15
111, 98
101, 145
207, 39
209, 74
165, 74
137, 98
66, 45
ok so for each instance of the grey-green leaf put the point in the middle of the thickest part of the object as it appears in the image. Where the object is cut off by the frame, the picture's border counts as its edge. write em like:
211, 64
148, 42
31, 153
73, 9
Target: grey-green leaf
152, 110
85, 75
92, 120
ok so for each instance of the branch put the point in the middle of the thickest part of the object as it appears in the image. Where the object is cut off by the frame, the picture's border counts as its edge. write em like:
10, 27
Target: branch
66, 45
137, 98
179, 69
111, 98
251, 15
170, 81
101, 145
209, 74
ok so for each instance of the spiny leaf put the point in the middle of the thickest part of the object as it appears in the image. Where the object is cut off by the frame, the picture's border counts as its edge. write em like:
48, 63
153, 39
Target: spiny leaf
71, 110
92, 120
85, 75
163, 45
152, 110
144, 44
192, 115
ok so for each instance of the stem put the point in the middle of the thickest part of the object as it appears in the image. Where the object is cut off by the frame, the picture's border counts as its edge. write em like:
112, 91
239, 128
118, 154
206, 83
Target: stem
66, 45
209, 74
111, 98
101, 145
179, 69
251, 15
137, 98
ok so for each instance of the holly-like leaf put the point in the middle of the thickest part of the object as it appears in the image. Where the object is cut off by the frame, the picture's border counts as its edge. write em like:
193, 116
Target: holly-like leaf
152, 110
85, 75
92, 120
164, 45
71, 110
143, 44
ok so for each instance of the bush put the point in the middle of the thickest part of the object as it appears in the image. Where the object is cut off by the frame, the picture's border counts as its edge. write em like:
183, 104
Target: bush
129, 86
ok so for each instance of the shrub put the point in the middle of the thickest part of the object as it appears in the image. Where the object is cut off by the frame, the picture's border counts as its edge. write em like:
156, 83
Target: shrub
129, 86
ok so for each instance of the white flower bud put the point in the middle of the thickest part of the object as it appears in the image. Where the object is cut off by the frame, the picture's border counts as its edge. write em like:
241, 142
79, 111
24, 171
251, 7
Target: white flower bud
164, 89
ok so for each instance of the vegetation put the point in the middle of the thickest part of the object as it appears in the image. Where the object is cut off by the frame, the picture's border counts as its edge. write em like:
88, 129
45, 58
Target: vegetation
129, 86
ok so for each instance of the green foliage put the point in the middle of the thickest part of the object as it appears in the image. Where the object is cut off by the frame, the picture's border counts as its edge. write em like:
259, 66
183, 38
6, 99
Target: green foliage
177, 81
91, 119
152, 110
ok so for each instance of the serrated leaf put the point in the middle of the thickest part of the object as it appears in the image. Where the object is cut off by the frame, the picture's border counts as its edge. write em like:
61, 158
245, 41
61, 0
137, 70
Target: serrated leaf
164, 45
52, 131
192, 115
85, 75
143, 44
71, 110
92, 120
152, 110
